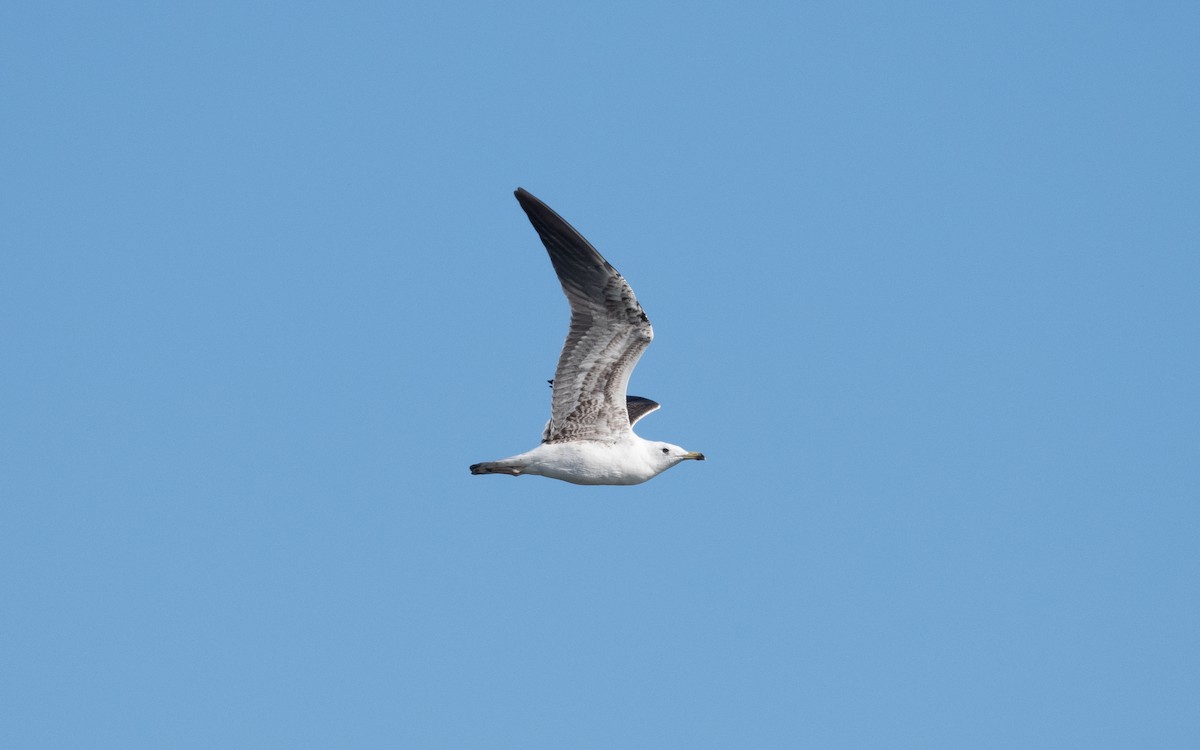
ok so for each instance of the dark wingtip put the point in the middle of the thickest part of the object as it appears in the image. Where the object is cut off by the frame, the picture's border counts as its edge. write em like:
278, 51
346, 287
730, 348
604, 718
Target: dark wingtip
530, 202
551, 227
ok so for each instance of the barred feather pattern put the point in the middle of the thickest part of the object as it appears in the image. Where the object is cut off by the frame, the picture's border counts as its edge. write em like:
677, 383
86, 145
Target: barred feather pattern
608, 333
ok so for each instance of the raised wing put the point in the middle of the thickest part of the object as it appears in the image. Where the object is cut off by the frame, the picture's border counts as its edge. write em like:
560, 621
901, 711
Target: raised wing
607, 336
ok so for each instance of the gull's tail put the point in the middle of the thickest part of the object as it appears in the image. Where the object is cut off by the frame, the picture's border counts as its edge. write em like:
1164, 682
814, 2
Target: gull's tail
507, 466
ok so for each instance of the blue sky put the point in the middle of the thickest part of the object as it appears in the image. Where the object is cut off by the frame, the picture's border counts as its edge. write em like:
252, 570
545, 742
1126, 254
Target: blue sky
924, 284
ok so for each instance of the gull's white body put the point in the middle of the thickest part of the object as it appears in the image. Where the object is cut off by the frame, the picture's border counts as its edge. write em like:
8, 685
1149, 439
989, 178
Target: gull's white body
627, 460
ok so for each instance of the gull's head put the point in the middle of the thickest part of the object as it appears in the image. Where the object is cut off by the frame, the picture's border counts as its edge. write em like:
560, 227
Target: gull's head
665, 455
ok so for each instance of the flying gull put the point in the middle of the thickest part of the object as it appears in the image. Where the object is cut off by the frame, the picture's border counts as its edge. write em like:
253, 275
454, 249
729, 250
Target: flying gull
589, 438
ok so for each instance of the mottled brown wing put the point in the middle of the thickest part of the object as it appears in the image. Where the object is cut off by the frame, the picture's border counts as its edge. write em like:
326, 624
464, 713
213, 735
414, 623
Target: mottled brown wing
607, 335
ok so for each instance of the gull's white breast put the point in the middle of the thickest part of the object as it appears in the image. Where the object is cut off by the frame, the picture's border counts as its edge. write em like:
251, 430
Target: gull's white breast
591, 461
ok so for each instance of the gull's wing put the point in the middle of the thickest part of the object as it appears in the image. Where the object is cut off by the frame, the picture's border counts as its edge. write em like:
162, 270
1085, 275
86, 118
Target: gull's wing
607, 336
639, 407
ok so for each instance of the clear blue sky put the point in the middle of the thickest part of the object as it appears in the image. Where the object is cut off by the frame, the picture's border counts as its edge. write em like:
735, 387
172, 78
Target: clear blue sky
926, 289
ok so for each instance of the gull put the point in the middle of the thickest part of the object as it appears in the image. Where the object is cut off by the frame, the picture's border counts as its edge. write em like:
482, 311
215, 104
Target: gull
589, 438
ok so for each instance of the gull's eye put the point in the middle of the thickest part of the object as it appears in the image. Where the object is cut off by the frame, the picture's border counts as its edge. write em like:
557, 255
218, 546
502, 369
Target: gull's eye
666, 451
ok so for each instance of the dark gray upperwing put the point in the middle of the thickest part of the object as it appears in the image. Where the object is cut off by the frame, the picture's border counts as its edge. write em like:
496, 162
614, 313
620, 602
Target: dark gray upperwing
639, 407
608, 333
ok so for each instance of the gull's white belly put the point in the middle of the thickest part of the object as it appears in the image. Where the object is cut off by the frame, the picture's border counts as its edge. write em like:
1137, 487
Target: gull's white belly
589, 462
